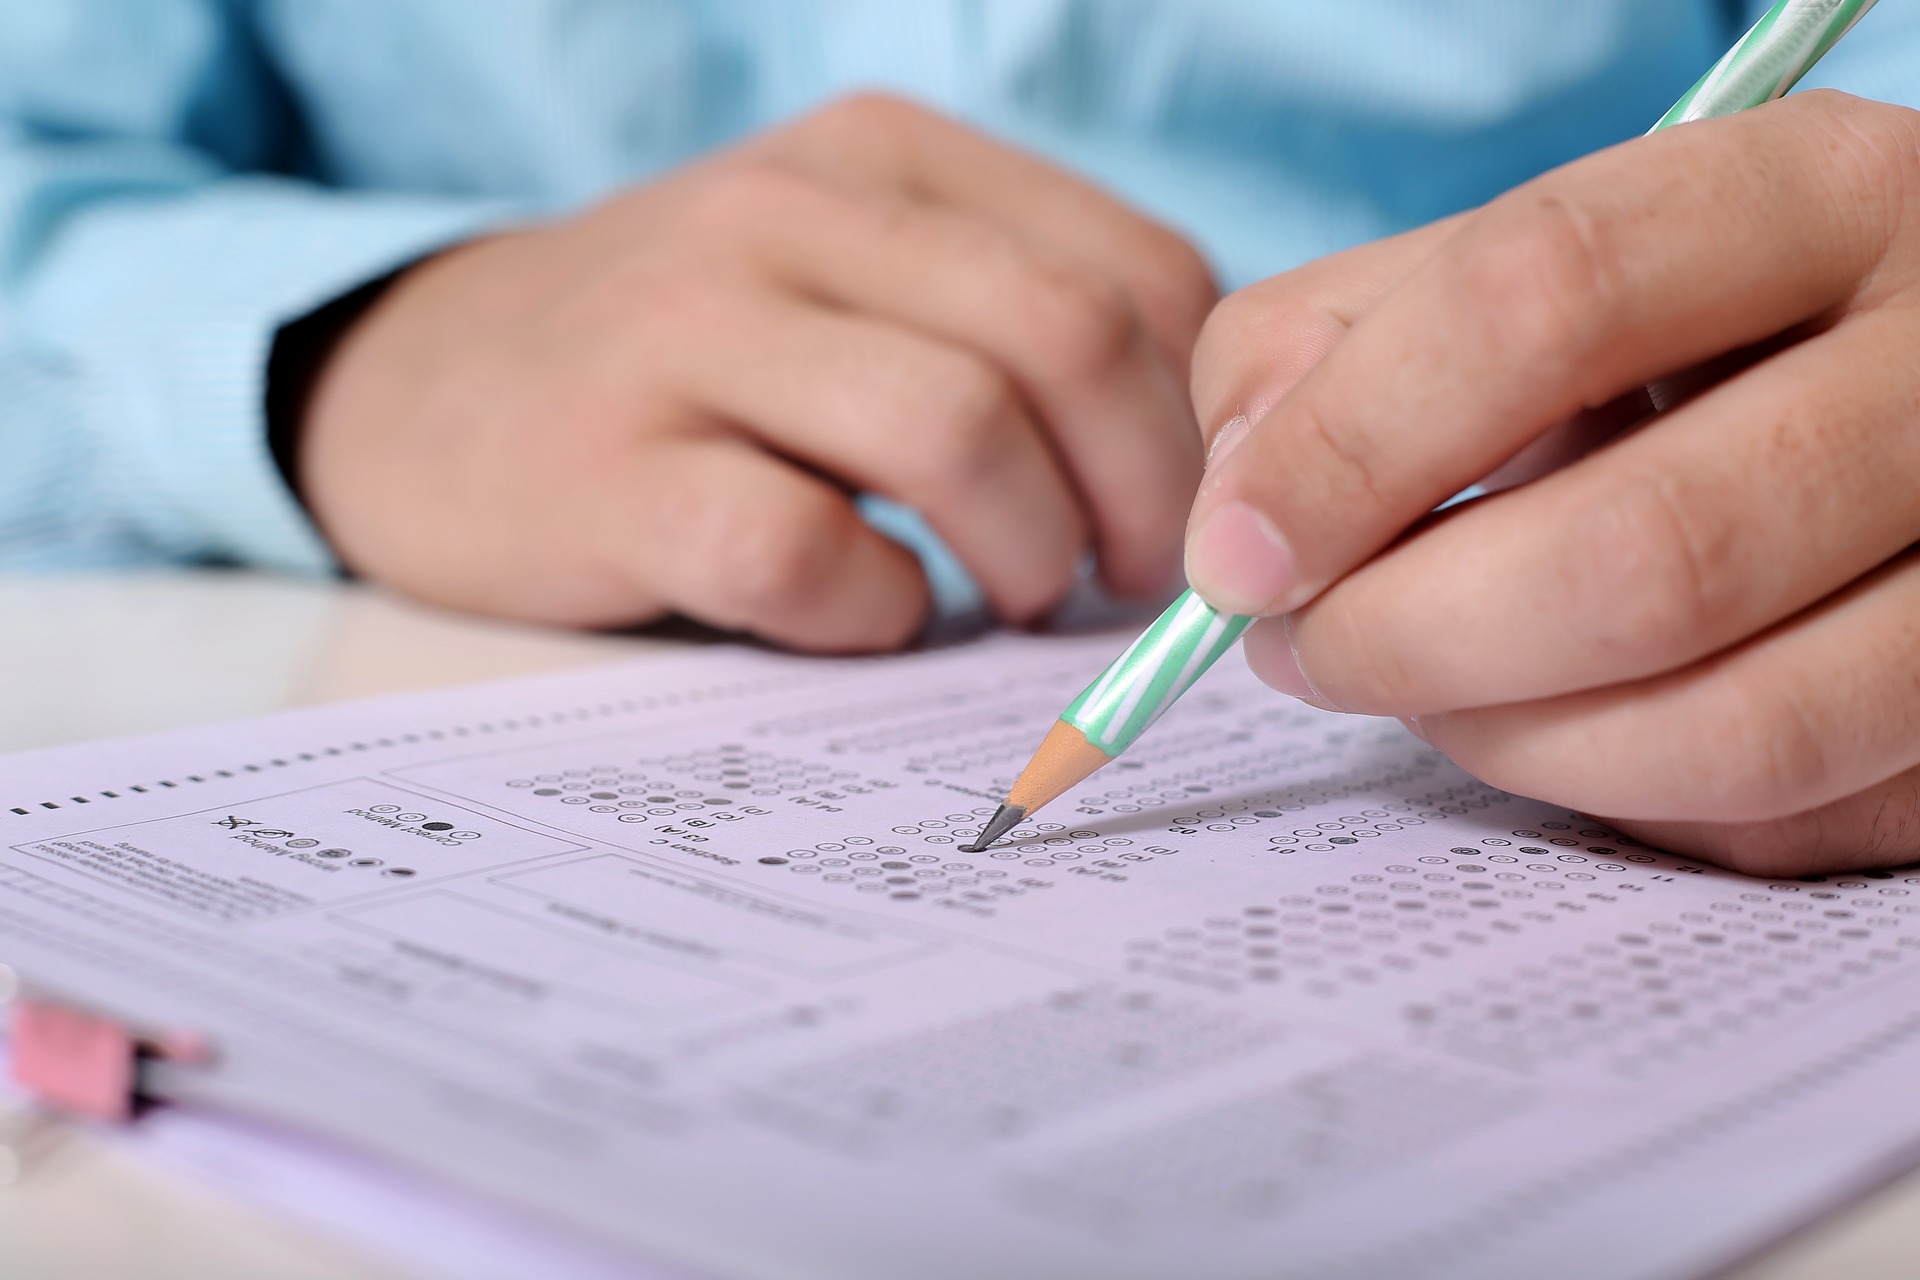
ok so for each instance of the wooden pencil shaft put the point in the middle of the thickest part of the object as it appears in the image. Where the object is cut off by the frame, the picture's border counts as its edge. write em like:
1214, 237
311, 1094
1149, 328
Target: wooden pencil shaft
1065, 759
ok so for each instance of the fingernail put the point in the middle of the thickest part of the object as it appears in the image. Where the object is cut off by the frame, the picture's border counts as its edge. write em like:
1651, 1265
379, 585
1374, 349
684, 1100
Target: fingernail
1272, 658
1416, 728
1227, 439
1238, 561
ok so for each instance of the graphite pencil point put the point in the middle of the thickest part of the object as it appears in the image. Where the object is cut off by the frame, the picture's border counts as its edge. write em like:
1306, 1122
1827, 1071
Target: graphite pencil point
1005, 819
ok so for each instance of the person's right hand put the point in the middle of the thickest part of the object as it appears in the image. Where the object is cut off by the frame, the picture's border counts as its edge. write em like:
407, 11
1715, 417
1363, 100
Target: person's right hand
663, 404
1704, 629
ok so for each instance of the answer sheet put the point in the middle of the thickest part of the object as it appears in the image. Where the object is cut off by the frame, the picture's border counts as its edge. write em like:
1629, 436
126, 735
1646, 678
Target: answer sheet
684, 955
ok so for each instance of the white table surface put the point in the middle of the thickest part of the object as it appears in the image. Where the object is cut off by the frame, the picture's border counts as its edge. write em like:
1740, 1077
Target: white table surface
92, 657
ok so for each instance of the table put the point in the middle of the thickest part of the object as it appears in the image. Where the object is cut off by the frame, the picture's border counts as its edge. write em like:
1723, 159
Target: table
89, 657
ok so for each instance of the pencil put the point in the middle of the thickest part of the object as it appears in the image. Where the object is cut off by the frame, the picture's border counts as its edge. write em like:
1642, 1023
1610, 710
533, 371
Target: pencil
1139, 686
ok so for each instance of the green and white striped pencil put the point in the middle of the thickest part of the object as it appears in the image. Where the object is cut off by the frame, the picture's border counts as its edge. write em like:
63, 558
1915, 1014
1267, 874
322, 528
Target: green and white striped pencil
1191, 635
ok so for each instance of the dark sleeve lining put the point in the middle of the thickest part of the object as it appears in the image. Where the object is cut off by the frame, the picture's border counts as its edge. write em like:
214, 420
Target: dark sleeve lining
300, 350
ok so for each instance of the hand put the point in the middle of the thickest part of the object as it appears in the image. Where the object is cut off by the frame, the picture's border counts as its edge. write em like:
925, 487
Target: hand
1706, 630
662, 404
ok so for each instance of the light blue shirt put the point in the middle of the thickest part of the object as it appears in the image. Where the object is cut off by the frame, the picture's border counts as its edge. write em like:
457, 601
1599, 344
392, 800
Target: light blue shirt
178, 178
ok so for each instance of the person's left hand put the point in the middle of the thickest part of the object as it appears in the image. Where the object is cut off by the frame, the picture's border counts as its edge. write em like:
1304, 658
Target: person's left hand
1707, 630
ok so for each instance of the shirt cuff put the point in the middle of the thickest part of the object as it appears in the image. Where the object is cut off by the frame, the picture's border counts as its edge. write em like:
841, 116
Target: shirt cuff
167, 309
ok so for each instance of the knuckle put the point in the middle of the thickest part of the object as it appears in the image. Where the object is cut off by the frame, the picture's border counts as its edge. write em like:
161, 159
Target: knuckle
1184, 265
962, 407
748, 192
681, 301
1659, 571
663, 311
781, 554
869, 114
1872, 155
1182, 279
1545, 276
1891, 134
1899, 130
1080, 324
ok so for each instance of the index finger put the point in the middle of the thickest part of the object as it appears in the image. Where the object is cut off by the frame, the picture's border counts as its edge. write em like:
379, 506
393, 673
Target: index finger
1609, 273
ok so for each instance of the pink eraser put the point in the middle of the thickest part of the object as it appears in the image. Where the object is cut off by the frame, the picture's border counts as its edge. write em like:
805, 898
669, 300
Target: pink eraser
72, 1060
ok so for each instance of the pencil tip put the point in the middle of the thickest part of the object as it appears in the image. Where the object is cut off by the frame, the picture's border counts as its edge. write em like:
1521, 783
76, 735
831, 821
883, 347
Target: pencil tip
1004, 820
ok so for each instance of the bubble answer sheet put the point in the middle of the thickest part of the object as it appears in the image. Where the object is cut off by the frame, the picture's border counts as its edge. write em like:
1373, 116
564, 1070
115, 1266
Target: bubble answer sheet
684, 956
